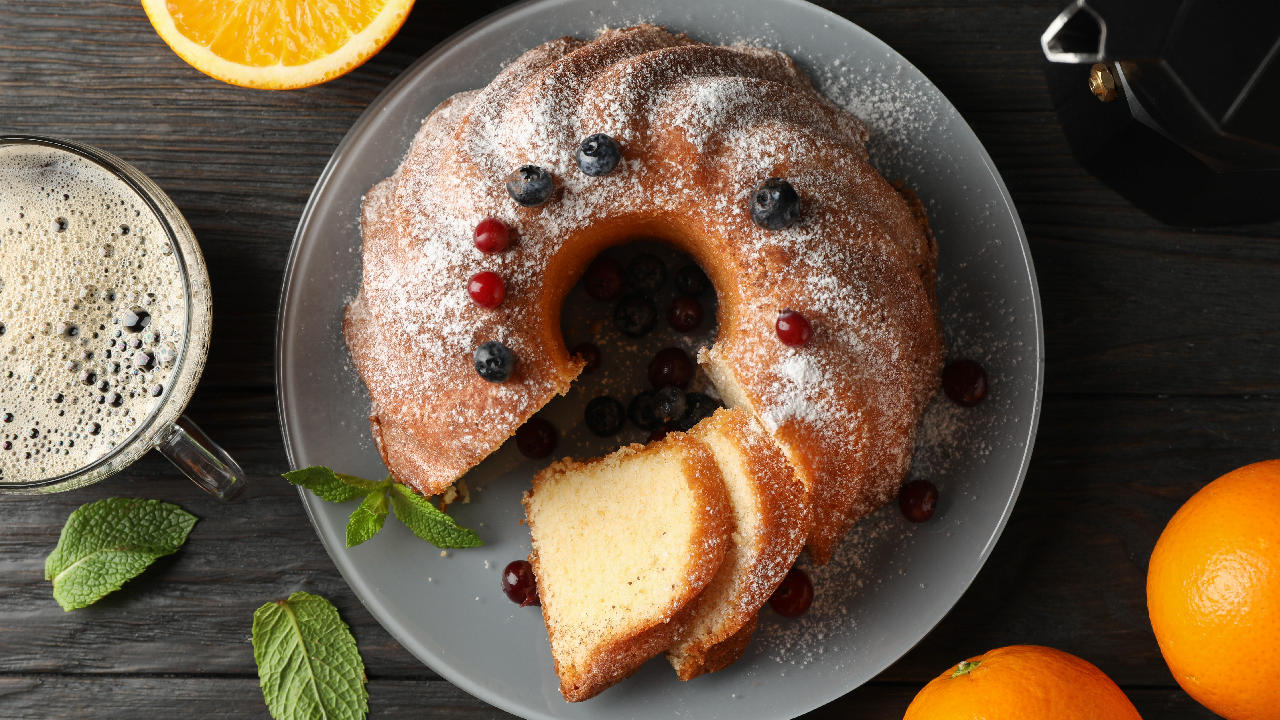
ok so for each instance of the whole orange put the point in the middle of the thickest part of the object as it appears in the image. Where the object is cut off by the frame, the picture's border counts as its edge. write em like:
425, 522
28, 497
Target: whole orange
1213, 593
1022, 682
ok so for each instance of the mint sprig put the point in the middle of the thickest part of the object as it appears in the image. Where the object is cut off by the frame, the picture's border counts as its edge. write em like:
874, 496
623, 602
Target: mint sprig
419, 514
109, 542
428, 522
367, 519
308, 663
329, 485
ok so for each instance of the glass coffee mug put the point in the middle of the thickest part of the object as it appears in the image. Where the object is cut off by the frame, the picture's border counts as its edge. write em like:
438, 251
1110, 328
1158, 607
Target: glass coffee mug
105, 317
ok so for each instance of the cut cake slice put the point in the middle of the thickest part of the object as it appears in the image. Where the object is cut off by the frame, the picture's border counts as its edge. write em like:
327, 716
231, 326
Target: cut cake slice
771, 513
621, 546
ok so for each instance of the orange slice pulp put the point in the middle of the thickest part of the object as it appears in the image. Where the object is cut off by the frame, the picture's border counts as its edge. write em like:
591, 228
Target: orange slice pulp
276, 44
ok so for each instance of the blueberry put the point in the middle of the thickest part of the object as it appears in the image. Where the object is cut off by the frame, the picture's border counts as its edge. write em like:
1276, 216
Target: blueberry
604, 416
494, 361
774, 204
635, 315
646, 272
669, 404
642, 411
696, 407
530, 185
690, 280
598, 155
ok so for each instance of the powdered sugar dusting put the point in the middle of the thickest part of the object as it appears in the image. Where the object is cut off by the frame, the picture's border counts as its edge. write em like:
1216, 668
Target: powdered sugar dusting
700, 126
952, 447
799, 374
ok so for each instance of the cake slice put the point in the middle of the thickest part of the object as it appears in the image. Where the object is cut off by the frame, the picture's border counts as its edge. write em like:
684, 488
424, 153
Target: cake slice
621, 546
771, 513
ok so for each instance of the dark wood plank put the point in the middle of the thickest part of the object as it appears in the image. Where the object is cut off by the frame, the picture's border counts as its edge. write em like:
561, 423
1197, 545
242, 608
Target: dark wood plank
53, 697
1133, 311
37, 697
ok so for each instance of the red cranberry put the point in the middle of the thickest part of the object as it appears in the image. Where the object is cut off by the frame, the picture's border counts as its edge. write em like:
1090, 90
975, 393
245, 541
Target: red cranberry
685, 314
918, 500
487, 289
671, 366
794, 596
965, 382
604, 279
589, 352
492, 235
518, 583
793, 329
537, 438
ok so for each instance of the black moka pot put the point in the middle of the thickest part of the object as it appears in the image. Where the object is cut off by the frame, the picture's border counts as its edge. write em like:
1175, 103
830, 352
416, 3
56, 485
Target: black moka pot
1174, 104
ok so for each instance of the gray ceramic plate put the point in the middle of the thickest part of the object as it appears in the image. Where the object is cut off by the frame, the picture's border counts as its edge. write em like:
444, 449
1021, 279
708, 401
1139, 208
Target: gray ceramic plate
891, 582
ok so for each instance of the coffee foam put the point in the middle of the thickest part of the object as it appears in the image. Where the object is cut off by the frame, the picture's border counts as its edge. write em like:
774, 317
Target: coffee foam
92, 312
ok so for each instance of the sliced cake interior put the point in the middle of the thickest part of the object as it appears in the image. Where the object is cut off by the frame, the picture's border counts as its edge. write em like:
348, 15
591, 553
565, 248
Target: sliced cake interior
771, 518
621, 546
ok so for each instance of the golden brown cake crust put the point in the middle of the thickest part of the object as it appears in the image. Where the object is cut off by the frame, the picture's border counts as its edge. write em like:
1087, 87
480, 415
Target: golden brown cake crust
727, 651
720, 627
632, 646
700, 126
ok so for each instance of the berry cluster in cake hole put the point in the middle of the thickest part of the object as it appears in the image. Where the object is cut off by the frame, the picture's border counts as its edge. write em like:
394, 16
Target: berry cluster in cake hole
668, 404
639, 381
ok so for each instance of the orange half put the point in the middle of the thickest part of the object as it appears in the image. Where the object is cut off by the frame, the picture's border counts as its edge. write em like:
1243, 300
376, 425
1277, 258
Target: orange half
276, 44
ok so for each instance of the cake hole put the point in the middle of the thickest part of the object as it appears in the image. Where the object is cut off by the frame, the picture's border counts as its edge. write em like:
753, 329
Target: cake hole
625, 357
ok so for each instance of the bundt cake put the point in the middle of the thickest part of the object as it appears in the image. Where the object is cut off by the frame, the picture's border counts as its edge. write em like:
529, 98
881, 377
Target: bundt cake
771, 518
824, 272
621, 547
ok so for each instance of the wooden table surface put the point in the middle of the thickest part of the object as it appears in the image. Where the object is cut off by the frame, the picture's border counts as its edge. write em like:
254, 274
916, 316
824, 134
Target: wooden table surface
1162, 374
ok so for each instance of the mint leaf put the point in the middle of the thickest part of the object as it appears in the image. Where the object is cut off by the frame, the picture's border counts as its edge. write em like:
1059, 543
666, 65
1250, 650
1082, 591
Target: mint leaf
106, 543
419, 514
329, 485
428, 522
367, 519
308, 663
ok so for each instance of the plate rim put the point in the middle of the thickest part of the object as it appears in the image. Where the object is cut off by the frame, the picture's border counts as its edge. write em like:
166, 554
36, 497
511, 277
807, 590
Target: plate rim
436, 664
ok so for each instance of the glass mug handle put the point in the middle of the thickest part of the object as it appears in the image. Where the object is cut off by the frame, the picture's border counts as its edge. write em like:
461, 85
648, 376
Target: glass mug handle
201, 459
